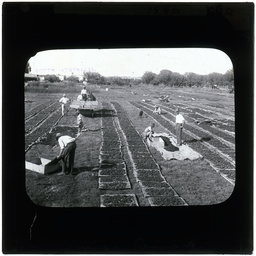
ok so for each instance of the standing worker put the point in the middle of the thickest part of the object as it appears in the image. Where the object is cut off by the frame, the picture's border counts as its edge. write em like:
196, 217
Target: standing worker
80, 97
64, 100
67, 152
84, 93
80, 122
149, 131
179, 126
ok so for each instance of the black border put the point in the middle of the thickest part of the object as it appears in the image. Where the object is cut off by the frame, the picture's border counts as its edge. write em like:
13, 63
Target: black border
31, 27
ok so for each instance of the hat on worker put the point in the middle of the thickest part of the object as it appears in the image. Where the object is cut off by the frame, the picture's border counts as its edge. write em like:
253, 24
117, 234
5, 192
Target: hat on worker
64, 95
58, 135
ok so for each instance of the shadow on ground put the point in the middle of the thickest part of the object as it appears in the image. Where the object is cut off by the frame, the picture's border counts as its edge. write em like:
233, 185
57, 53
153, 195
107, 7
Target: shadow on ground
201, 140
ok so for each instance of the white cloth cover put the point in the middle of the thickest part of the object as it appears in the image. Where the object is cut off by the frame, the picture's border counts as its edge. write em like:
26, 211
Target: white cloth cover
185, 152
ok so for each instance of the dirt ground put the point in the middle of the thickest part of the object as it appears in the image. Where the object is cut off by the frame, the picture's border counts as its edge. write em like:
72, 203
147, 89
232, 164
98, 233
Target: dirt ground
195, 181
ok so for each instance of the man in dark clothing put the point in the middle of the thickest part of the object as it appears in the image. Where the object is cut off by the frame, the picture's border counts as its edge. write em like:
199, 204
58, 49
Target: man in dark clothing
67, 152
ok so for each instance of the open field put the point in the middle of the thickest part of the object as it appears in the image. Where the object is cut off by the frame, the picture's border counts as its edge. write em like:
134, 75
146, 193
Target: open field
113, 164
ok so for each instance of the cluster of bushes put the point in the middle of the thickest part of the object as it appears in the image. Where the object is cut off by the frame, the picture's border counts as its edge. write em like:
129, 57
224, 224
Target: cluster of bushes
56, 79
54, 87
96, 78
52, 78
115, 80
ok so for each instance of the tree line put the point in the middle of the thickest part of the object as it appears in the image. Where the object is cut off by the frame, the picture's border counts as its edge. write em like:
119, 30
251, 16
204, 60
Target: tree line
165, 77
189, 79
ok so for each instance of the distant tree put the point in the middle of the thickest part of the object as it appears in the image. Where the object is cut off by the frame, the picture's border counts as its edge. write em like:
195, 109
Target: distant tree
165, 77
191, 79
156, 80
229, 76
73, 79
52, 78
200, 80
178, 80
215, 79
116, 80
94, 78
148, 77
135, 81
229, 80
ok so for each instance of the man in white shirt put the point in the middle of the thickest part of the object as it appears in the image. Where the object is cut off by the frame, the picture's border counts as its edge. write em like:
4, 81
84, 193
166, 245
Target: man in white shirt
149, 131
179, 126
67, 152
84, 93
80, 97
64, 100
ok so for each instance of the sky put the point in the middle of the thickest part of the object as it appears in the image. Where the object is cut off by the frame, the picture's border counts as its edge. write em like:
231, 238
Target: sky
130, 62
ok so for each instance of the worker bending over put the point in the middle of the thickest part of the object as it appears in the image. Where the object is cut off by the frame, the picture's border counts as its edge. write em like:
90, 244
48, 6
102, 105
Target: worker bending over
157, 110
149, 131
67, 152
